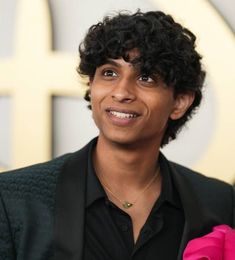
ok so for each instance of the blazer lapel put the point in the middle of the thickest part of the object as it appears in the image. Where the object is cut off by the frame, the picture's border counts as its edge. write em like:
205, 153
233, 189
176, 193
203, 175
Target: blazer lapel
70, 207
198, 218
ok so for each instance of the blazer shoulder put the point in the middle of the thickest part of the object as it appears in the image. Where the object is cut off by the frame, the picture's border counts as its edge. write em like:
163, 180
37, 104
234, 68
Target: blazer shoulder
32, 181
48, 167
199, 178
210, 190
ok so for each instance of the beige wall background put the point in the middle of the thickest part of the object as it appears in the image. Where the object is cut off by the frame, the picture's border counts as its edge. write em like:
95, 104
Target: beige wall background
42, 113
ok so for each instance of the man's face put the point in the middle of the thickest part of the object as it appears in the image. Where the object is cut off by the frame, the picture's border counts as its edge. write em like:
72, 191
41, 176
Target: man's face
132, 108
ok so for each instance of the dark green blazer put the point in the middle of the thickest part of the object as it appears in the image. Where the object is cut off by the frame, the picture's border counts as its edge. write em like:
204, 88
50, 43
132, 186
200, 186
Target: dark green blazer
42, 207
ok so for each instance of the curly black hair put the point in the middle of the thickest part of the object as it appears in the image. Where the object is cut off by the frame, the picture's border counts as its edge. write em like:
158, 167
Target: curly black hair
165, 48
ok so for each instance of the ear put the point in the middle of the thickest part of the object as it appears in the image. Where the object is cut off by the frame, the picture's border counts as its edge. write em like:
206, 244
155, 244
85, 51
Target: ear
182, 103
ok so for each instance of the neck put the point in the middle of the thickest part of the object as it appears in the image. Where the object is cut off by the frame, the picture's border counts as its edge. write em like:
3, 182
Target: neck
125, 166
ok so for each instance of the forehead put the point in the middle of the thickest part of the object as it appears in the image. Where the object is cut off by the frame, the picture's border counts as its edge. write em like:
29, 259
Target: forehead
120, 62
127, 61
133, 60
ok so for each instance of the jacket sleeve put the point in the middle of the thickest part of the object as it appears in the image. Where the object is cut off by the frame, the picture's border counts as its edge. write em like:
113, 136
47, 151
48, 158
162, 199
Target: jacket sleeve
6, 242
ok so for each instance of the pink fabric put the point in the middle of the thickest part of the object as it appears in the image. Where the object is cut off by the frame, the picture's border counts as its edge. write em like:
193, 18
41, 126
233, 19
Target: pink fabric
217, 245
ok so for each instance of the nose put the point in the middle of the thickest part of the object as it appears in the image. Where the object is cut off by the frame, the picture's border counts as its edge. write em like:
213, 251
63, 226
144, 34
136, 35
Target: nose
124, 91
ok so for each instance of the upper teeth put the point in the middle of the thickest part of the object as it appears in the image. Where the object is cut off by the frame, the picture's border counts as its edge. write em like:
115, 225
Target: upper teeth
122, 115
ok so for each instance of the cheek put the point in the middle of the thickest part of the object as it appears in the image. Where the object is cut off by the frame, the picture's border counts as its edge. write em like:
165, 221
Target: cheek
160, 105
95, 96
160, 112
98, 93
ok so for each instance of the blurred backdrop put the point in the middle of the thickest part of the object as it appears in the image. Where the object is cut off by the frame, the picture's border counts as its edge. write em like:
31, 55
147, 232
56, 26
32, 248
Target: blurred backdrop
42, 112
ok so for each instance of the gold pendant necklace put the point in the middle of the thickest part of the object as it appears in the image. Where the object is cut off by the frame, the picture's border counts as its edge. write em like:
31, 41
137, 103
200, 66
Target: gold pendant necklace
126, 204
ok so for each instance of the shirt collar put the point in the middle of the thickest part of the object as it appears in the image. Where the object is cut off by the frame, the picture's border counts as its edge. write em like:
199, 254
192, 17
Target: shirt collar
95, 190
169, 192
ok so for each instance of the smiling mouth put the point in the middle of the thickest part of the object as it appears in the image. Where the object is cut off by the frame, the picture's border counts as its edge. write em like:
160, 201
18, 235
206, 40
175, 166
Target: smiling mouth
122, 114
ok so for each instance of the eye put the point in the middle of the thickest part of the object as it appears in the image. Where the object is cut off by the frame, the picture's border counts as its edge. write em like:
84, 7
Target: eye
146, 78
109, 73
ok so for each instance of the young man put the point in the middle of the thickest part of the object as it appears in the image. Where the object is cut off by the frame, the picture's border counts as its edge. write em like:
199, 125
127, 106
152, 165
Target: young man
119, 197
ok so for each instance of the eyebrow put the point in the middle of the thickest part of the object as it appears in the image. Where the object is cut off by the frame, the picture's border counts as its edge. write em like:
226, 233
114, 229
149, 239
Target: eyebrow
112, 62
115, 63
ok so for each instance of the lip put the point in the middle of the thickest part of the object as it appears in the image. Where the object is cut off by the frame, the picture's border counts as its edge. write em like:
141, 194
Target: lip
122, 121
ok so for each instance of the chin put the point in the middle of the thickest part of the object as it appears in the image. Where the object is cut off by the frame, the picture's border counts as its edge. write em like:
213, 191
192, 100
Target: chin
124, 140
118, 138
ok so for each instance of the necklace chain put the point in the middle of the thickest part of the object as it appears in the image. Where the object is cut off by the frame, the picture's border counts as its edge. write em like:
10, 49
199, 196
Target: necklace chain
127, 204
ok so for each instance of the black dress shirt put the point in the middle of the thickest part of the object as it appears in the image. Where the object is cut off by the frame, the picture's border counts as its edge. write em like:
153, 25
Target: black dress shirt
109, 232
